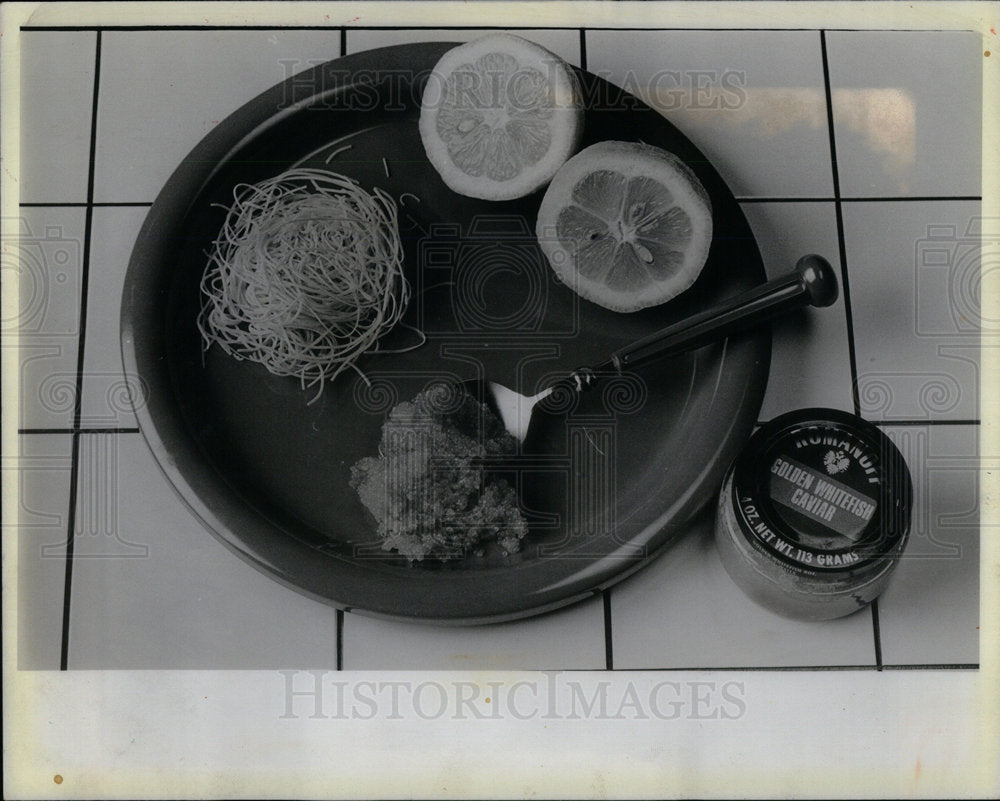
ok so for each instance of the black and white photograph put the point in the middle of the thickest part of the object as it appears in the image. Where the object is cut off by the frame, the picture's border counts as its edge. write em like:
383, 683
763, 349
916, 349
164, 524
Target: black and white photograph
481, 365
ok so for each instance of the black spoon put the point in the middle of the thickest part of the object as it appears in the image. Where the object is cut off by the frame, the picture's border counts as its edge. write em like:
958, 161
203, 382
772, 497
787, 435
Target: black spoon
812, 283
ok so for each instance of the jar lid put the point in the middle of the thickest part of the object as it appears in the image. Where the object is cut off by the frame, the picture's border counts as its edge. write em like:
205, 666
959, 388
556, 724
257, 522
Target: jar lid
823, 490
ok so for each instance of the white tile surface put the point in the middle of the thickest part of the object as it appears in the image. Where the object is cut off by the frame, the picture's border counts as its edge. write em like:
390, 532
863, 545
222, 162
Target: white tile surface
43, 517
50, 258
567, 639
683, 611
105, 400
162, 91
930, 612
810, 359
752, 101
564, 43
907, 111
57, 91
914, 276
153, 589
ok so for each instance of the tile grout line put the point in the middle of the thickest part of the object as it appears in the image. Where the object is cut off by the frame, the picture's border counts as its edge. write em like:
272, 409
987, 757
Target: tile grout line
609, 660
340, 612
848, 313
795, 668
842, 245
143, 28
49, 204
74, 477
340, 639
78, 204
81, 430
876, 631
886, 199
80, 355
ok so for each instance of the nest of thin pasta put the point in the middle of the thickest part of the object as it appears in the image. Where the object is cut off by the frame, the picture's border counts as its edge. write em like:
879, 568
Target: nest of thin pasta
305, 276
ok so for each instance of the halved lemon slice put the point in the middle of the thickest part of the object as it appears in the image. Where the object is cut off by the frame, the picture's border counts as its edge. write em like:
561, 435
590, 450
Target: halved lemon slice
626, 225
499, 116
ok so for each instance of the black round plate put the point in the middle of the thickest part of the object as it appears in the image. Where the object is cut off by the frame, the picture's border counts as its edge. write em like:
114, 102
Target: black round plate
614, 480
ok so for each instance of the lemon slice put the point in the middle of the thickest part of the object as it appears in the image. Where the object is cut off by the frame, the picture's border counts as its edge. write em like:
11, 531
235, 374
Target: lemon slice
499, 116
626, 225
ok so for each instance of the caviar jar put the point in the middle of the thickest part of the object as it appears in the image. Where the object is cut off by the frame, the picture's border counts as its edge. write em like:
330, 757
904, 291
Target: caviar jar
814, 514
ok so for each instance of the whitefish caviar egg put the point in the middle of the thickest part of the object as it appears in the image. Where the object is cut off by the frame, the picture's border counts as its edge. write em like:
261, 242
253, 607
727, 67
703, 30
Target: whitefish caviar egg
814, 514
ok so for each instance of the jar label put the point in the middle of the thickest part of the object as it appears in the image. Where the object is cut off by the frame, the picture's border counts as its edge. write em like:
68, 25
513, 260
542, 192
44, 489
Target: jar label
820, 499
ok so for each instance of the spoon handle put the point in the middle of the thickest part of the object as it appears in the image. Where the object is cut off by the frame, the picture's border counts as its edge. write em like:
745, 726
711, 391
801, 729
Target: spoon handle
812, 283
